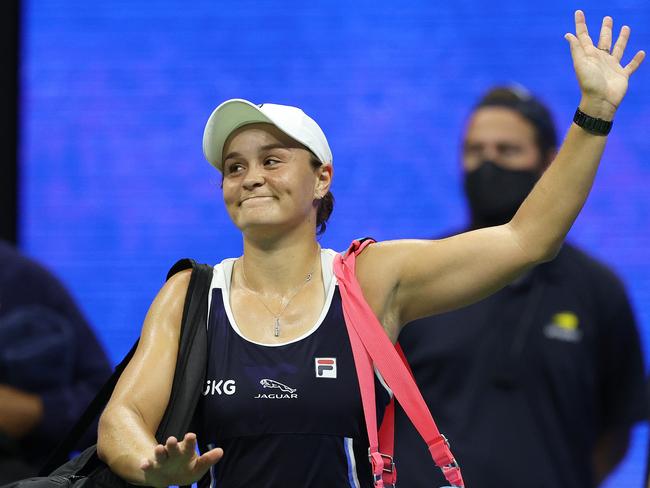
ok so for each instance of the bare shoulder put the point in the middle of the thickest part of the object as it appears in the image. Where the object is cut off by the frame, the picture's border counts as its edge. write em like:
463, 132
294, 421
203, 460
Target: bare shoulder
178, 283
378, 271
163, 321
385, 260
146, 380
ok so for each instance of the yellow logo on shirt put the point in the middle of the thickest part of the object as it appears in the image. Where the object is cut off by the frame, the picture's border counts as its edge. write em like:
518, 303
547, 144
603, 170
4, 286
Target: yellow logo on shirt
566, 320
563, 326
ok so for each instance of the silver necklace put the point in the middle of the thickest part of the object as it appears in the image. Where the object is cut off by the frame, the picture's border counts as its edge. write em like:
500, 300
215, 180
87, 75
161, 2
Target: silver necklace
276, 325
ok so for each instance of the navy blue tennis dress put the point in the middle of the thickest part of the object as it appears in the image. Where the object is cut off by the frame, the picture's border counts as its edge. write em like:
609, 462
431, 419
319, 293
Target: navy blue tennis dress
286, 415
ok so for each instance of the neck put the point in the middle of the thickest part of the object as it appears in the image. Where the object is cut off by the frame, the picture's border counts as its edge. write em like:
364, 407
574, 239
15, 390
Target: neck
277, 267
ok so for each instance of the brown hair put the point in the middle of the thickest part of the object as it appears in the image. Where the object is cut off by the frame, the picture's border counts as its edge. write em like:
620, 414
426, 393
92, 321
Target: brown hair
325, 204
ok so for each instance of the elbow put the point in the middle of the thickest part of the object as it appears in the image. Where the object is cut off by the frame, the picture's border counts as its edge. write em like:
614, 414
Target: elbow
536, 251
118, 445
108, 435
542, 255
103, 433
547, 254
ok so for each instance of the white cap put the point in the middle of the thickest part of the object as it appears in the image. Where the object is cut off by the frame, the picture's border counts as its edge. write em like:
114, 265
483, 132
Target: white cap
235, 113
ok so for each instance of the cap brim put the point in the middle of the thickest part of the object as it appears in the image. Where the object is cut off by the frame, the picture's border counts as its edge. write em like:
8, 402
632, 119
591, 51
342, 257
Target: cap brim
224, 120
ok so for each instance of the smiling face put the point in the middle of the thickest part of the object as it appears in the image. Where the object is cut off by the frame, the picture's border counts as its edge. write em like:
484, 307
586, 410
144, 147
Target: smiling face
269, 184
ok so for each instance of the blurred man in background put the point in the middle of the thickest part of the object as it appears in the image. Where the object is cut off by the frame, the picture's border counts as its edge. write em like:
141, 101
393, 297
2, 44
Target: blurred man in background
51, 364
539, 384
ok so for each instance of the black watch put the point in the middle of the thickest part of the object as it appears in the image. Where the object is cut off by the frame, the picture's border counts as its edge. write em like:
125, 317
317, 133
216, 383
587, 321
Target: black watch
592, 125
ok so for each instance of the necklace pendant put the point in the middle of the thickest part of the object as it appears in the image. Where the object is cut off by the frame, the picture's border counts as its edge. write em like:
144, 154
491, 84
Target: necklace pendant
276, 327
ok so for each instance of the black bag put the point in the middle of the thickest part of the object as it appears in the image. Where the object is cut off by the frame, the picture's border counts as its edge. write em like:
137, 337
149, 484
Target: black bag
87, 470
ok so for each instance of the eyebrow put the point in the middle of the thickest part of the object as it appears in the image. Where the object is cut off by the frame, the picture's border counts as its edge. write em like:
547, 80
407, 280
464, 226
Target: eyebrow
277, 145
232, 155
267, 147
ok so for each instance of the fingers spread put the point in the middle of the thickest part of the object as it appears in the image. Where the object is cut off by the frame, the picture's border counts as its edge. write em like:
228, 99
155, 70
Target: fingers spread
605, 39
621, 43
581, 29
635, 63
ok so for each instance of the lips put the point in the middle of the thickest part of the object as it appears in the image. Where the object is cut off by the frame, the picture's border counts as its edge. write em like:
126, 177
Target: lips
255, 197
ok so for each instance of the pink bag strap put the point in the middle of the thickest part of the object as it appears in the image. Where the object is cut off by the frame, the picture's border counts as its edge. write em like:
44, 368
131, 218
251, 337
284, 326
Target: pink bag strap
371, 347
387, 428
365, 374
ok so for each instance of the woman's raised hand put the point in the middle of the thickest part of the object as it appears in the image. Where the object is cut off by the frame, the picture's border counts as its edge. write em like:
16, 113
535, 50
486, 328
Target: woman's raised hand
602, 78
177, 463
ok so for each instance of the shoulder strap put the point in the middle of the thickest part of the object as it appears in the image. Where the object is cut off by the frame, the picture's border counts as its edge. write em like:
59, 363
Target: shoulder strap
374, 347
191, 361
188, 377
387, 429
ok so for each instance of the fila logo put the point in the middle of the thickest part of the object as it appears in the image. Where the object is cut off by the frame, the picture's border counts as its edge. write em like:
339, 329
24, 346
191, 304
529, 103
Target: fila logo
226, 387
325, 367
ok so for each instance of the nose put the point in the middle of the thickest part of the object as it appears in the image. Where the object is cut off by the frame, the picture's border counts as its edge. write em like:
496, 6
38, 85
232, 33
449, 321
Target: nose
490, 153
254, 178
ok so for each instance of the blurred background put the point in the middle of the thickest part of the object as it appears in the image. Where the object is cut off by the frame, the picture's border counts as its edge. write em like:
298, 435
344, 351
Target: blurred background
104, 103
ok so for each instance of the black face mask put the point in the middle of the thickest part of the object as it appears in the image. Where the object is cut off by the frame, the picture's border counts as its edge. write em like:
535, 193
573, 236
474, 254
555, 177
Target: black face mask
495, 194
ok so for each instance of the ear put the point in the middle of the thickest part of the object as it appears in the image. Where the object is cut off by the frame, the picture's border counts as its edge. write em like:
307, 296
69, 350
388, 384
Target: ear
324, 175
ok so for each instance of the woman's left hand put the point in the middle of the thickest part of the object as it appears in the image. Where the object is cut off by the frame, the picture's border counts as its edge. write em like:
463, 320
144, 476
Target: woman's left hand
177, 462
602, 79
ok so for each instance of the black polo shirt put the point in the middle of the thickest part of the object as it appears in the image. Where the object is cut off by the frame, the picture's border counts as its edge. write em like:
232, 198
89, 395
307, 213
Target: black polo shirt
525, 381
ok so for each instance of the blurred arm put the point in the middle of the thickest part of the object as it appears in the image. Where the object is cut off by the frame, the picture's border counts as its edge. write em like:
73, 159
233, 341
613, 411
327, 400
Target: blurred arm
20, 411
609, 452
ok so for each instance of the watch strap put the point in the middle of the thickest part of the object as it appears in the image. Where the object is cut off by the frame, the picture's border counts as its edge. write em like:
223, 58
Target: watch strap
592, 125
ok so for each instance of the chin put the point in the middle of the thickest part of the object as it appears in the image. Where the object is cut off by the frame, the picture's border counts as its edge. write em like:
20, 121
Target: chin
268, 228
266, 220
260, 224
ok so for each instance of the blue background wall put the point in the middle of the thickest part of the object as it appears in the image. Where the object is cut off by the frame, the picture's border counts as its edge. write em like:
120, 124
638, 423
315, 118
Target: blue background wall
115, 96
